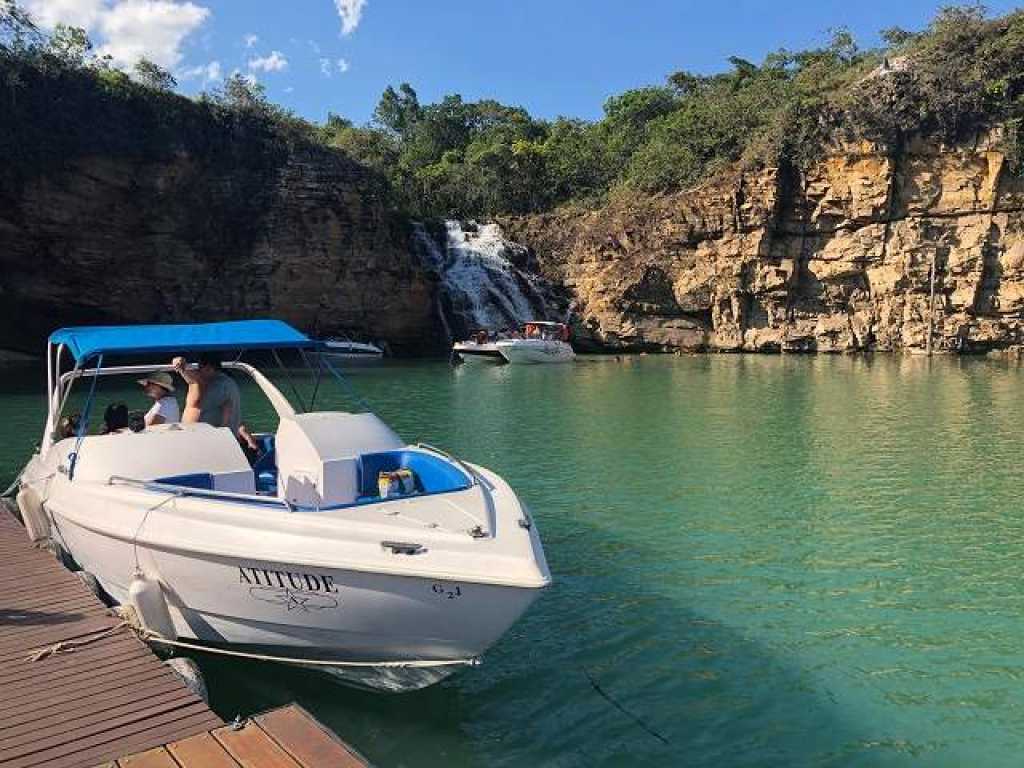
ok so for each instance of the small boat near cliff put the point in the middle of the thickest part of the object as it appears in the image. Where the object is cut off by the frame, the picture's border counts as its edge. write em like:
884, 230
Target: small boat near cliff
480, 347
538, 342
307, 555
344, 348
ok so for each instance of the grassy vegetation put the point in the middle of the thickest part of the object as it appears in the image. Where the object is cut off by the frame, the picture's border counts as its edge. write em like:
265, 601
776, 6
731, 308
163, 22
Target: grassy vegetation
963, 72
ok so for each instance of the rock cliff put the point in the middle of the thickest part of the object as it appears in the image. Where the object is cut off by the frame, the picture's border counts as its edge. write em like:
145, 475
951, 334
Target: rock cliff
867, 250
111, 240
136, 214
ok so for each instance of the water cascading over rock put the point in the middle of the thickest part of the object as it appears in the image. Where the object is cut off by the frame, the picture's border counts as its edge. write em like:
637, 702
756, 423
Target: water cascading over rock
484, 279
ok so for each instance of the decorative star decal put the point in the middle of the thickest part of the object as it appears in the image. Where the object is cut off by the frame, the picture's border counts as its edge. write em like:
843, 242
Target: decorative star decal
292, 599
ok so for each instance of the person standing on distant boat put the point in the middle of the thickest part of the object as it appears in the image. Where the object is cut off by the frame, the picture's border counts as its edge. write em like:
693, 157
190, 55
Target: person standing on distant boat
159, 387
212, 395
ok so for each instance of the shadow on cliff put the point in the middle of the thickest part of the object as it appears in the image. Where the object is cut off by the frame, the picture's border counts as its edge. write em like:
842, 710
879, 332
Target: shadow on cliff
674, 685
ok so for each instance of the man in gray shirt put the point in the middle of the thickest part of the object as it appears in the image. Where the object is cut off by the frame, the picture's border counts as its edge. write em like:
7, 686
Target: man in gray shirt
212, 395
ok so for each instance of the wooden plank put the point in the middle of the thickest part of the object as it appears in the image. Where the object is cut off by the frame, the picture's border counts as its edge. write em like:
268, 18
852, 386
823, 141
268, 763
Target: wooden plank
85, 682
152, 682
96, 702
306, 740
103, 713
70, 625
61, 733
151, 758
95, 656
63, 752
202, 751
144, 738
252, 748
31, 603
44, 585
45, 593
38, 637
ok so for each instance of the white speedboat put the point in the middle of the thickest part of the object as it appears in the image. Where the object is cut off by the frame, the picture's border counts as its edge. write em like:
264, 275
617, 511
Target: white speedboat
478, 348
299, 556
346, 349
539, 342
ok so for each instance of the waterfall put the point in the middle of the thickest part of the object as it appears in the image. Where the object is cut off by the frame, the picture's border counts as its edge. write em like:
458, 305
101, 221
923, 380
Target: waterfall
481, 285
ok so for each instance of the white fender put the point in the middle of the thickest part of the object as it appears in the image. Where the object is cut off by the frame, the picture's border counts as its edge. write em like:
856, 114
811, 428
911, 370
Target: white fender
30, 503
146, 596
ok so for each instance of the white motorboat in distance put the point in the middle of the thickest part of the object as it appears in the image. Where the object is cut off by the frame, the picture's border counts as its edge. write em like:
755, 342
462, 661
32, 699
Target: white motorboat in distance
480, 347
311, 554
539, 342
346, 349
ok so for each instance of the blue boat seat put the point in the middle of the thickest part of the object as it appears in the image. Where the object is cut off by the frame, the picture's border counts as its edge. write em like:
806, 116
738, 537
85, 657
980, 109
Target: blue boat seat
265, 467
431, 473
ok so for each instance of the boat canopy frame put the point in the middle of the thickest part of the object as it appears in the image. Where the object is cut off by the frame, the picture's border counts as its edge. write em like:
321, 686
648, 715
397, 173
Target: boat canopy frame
93, 344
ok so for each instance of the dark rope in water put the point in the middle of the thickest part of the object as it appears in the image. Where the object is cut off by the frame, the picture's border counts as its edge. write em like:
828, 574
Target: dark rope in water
601, 692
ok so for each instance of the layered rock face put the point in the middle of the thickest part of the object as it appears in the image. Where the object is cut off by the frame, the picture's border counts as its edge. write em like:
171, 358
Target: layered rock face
117, 238
865, 251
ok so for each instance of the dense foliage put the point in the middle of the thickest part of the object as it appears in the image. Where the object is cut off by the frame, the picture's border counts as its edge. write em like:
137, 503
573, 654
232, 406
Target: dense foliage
458, 158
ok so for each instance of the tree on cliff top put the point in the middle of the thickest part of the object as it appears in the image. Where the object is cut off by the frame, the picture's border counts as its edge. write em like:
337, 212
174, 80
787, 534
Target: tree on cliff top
397, 111
17, 30
153, 75
964, 72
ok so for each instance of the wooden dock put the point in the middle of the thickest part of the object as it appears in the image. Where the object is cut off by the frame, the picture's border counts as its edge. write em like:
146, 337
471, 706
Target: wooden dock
104, 695
288, 737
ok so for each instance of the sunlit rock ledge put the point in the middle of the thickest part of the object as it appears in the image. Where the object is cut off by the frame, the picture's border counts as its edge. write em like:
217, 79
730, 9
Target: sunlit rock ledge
837, 259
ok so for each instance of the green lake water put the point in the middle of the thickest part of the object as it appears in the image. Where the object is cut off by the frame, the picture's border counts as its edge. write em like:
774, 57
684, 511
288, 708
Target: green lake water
791, 561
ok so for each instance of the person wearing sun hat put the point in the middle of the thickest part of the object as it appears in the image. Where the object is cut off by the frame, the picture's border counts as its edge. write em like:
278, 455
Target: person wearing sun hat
159, 387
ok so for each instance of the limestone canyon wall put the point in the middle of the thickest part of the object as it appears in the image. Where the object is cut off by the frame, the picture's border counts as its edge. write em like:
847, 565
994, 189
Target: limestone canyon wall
123, 238
839, 258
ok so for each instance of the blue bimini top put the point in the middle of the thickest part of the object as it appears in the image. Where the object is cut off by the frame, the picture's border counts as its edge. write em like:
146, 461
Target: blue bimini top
88, 341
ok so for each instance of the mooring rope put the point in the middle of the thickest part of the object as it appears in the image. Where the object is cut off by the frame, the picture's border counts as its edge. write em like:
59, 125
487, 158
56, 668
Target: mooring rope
10, 489
636, 719
67, 646
17, 481
132, 621
129, 620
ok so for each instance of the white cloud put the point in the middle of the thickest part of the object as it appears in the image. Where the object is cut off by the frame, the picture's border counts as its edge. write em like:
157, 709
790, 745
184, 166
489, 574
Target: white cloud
313, 44
74, 13
289, 89
350, 11
154, 29
208, 73
127, 30
275, 62
250, 40
328, 67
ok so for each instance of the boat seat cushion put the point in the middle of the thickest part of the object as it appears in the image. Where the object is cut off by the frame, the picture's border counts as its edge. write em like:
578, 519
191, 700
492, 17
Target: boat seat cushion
432, 473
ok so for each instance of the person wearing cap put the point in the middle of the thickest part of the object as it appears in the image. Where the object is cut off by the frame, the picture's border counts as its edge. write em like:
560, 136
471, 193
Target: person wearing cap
159, 387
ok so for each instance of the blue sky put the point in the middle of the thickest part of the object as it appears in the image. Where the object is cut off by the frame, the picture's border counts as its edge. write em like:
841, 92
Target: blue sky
554, 57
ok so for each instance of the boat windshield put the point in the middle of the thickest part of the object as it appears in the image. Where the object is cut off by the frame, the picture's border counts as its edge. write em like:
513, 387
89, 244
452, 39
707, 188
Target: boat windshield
546, 331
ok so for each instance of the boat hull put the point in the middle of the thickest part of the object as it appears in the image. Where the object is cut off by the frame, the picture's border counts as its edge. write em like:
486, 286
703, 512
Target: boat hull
535, 351
479, 353
285, 608
353, 351
305, 612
